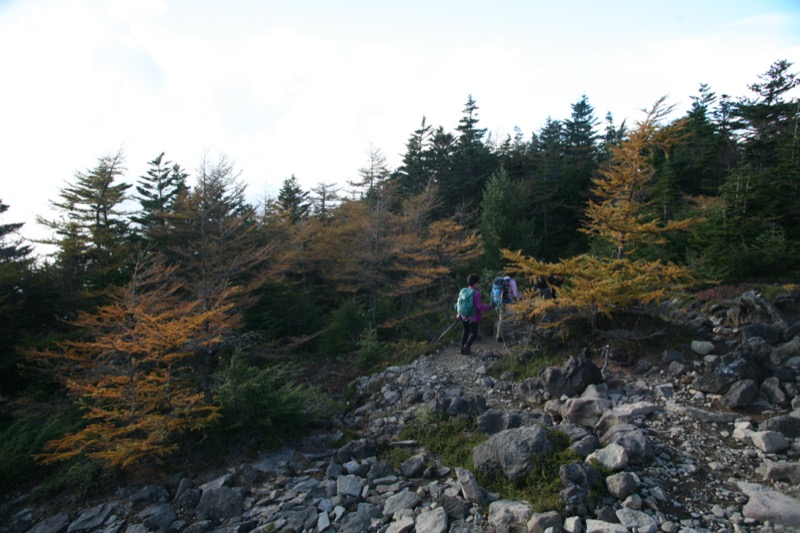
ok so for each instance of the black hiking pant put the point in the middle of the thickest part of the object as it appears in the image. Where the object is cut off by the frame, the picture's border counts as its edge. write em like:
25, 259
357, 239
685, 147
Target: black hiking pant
469, 333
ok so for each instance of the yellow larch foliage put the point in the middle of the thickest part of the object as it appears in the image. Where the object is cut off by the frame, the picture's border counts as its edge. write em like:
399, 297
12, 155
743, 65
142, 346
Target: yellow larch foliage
618, 213
592, 285
131, 373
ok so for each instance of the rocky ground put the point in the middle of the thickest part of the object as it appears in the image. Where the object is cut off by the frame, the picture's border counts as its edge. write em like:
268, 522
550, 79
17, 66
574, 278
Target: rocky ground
704, 436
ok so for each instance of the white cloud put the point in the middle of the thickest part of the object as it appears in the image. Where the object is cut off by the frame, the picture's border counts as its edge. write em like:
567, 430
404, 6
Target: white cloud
283, 91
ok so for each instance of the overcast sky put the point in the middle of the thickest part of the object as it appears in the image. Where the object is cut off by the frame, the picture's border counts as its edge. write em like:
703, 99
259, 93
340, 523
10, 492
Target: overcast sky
306, 87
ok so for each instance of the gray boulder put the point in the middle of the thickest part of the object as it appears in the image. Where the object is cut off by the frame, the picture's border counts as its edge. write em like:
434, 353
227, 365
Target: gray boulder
612, 457
584, 411
506, 516
678, 369
301, 518
623, 414
552, 379
158, 516
771, 390
401, 501
769, 441
673, 356
637, 446
752, 308
637, 521
355, 449
579, 373
465, 527
54, 524
766, 504
454, 403
219, 503
573, 431
533, 390
433, 521
21, 521
413, 466
456, 508
572, 379
622, 484
788, 425
601, 526
717, 380
541, 522
349, 486
152, 494
769, 332
92, 518
585, 446
470, 489
578, 480
785, 351
741, 394
357, 522
781, 471
702, 347
497, 420
189, 498
510, 451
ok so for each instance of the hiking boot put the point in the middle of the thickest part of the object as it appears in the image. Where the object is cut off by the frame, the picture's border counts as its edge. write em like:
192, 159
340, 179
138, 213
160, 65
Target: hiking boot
461, 351
466, 351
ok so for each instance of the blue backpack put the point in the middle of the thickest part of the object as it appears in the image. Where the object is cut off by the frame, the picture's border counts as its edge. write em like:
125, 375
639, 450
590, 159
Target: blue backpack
500, 292
465, 306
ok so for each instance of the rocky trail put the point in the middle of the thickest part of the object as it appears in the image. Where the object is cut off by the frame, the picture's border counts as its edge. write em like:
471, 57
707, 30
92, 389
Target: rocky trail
703, 437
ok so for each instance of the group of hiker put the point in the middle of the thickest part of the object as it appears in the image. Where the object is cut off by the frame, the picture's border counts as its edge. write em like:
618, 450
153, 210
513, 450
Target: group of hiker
470, 307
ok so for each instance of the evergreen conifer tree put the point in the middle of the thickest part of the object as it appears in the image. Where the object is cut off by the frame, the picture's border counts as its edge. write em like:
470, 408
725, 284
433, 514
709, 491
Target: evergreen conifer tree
293, 200
91, 235
157, 193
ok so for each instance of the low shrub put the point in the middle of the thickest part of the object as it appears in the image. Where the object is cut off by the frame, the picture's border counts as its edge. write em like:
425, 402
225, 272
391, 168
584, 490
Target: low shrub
371, 351
25, 433
267, 402
344, 329
542, 486
526, 361
452, 439
393, 455
406, 351
80, 479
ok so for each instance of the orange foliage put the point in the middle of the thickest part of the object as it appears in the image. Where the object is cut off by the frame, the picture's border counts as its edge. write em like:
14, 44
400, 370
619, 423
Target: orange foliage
130, 372
619, 214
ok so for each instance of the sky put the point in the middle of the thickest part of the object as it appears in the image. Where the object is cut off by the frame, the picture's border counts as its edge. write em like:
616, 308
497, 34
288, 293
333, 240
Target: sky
309, 87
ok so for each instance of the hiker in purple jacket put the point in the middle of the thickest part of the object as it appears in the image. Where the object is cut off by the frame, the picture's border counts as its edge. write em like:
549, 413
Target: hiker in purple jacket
470, 324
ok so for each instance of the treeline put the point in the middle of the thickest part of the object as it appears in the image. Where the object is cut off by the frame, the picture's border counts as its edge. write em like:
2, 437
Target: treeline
143, 315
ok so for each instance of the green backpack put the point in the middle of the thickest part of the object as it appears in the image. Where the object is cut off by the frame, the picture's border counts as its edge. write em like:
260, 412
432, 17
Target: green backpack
465, 306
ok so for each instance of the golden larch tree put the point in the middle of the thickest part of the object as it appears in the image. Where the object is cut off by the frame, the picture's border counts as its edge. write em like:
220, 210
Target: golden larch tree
428, 252
620, 214
620, 210
130, 372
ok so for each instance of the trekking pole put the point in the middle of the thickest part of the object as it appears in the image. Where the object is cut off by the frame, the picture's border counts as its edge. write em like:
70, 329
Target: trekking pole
445, 331
499, 336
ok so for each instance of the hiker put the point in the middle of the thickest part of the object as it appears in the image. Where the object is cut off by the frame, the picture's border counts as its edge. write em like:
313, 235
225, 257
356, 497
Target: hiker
470, 310
545, 287
542, 288
513, 291
507, 292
